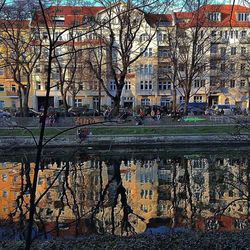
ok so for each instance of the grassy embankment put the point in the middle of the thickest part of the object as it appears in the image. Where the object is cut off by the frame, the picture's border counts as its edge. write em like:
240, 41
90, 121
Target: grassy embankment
190, 130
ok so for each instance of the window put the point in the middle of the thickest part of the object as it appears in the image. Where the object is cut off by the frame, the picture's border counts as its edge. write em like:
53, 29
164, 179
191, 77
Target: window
1, 71
5, 194
38, 85
197, 98
85, 20
181, 67
13, 104
232, 83
164, 85
147, 53
199, 83
58, 20
213, 49
112, 86
181, 99
141, 85
164, 52
127, 85
4, 177
243, 51
145, 102
223, 67
243, 34
213, 65
242, 67
80, 86
214, 16
165, 102
232, 67
222, 83
1, 104
1, 87
144, 37
243, 17
236, 34
233, 51
223, 51
213, 33
242, 83
79, 102
146, 69
232, 34
95, 102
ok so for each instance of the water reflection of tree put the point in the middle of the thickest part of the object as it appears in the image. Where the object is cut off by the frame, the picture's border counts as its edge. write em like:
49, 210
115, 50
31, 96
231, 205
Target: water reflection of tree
233, 182
75, 192
120, 210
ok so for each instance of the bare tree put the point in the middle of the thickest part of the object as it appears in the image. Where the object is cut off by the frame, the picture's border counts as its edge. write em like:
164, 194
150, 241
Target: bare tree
122, 26
20, 52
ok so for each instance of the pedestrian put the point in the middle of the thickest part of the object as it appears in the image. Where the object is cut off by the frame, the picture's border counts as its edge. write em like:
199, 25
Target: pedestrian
152, 114
158, 114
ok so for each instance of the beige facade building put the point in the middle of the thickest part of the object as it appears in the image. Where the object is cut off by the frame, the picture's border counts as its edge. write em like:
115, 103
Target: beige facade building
164, 72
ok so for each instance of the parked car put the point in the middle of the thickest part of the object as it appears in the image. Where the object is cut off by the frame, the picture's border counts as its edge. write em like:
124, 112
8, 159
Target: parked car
31, 113
4, 114
76, 111
225, 109
196, 108
91, 112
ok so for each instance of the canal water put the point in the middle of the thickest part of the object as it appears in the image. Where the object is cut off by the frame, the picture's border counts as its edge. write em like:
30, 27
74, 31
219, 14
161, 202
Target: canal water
126, 191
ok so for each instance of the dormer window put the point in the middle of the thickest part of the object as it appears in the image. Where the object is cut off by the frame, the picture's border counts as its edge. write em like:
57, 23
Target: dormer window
243, 17
85, 20
58, 20
214, 16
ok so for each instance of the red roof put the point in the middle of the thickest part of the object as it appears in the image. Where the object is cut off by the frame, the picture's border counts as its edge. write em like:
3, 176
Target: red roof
16, 24
70, 13
189, 19
228, 16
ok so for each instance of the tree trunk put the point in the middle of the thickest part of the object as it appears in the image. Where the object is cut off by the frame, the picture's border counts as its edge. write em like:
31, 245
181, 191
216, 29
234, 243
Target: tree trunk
187, 97
65, 104
117, 100
99, 97
20, 100
174, 101
26, 102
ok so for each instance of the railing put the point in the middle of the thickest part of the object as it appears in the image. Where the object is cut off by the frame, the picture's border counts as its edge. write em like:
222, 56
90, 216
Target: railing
88, 120
11, 93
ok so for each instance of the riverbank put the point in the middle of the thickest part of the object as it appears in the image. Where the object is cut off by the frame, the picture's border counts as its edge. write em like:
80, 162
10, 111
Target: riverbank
184, 240
104, 141
110, 136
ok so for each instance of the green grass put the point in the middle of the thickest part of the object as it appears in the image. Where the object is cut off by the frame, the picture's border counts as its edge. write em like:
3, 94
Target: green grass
164, 131
130, 131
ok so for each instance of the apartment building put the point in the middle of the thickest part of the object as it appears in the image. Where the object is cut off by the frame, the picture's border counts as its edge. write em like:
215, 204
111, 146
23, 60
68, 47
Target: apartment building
212, 67
13, 82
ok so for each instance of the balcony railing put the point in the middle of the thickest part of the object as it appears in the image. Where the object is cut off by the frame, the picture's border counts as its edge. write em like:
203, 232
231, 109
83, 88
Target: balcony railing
245, 40
12, 93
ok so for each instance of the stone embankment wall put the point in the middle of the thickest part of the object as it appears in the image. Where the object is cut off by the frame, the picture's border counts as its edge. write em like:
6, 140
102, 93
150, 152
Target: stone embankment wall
127, 140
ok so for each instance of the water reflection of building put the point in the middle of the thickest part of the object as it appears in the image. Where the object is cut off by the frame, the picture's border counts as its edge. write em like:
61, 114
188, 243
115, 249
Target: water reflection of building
178, 191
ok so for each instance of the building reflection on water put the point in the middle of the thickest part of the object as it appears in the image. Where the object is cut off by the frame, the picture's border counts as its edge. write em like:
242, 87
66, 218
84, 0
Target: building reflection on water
129, 196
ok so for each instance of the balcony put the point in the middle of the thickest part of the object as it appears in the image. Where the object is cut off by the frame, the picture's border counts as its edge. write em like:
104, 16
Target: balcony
11, 93
245, 40
165, 92
221, 40
245, 73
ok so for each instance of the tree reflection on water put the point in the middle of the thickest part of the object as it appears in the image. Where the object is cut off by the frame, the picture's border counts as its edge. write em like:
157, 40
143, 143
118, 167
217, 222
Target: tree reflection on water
81, 194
